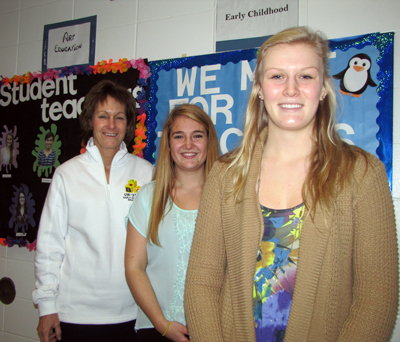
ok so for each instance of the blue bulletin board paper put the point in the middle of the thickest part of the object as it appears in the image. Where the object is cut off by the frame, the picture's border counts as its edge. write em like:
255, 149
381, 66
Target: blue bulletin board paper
221, 83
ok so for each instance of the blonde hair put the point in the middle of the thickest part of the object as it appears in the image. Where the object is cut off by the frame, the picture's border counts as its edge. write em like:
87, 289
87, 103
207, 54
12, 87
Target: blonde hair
326, 175
164, 174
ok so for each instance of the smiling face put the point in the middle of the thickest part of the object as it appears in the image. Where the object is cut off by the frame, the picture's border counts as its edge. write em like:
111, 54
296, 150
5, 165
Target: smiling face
109, 126
9, 140
188, 143
49, 143
21, 199
291, 86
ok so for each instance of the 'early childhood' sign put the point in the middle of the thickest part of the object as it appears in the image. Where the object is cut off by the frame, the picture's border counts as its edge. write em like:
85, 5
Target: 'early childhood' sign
246, 24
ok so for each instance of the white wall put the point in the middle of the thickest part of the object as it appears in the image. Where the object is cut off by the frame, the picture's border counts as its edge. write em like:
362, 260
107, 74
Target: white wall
156, 29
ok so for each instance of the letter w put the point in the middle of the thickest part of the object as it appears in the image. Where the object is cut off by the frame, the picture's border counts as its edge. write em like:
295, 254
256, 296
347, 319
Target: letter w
189, 83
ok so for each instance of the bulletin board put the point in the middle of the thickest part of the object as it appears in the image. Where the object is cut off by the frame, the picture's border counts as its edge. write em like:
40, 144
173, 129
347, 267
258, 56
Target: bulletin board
35, 104
221, 83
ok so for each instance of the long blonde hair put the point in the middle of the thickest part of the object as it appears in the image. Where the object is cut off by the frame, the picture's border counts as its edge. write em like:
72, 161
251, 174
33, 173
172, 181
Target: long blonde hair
326, 175
165, 175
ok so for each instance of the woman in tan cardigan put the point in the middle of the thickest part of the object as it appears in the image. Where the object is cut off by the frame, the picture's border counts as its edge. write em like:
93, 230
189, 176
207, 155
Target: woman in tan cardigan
295, 238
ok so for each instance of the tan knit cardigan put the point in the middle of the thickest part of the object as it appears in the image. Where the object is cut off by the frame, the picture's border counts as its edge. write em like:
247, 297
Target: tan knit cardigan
347, 276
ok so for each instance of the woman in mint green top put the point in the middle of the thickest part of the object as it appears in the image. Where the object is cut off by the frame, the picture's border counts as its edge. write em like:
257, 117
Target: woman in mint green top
161, 223
166, 267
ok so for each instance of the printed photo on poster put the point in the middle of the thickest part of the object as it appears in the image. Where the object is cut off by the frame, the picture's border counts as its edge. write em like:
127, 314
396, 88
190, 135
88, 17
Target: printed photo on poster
9, 149
47, 151
22, 210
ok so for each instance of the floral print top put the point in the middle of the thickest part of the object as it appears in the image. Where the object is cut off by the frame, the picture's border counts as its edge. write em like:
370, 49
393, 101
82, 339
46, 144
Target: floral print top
276, 272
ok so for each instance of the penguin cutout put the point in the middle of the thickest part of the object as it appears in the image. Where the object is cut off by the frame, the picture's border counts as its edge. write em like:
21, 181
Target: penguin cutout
356, 77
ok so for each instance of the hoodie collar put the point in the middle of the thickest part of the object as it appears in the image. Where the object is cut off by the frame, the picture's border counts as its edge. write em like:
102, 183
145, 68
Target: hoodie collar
93, 154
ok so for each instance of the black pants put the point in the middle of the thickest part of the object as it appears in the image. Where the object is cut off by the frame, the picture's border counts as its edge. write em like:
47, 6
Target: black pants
150, 335
120, 332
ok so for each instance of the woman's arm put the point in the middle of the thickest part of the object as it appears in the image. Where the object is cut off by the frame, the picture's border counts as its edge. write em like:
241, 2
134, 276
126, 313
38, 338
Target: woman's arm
49, 257
49, 328
140, 286
207, 263
375, 261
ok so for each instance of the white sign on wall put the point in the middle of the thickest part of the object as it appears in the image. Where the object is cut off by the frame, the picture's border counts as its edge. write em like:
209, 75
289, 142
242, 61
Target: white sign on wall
69, 46
69, 43
246, 24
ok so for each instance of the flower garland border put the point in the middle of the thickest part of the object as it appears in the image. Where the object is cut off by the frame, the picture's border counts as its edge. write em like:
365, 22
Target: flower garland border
102, 67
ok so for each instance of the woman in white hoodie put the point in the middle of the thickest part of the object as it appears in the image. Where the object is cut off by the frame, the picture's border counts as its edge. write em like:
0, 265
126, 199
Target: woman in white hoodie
81, 290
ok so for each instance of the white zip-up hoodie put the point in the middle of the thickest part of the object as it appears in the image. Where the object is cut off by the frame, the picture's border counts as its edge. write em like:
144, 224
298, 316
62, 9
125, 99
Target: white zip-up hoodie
81, 239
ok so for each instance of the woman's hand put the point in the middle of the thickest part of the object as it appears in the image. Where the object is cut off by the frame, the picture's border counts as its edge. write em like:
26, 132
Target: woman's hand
176, 332
140, 286
49, 328
142, 291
